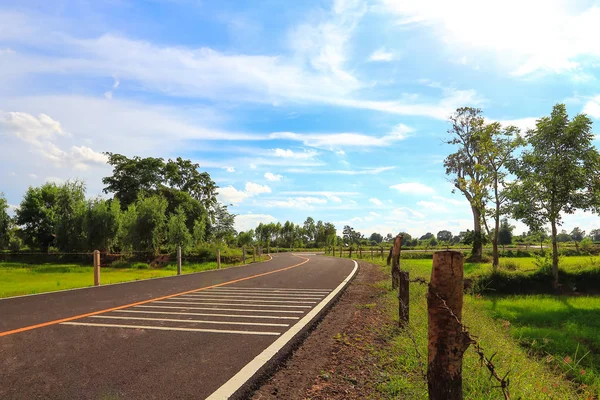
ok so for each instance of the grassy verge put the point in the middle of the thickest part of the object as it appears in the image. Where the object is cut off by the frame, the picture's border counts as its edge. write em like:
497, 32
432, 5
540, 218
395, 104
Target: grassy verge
404, 361
19, 279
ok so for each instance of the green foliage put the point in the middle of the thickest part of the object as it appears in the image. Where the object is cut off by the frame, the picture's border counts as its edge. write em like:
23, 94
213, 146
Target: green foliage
102, 223
444, 236
69, 211
4, 222
505, 234
376, 237
144, 224
36, 214
177, 231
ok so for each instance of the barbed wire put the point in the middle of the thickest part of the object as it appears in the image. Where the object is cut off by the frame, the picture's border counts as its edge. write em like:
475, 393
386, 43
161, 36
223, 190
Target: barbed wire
503, 382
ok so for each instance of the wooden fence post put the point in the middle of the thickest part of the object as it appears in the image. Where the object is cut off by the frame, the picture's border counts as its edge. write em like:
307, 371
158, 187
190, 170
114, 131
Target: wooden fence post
178, 260
218, 259
394, 257
371, 254
333, 250
340, 251
253, 254
96, 268
244, 255
359, 252
403, 299
350, 252
382, 252
447, 338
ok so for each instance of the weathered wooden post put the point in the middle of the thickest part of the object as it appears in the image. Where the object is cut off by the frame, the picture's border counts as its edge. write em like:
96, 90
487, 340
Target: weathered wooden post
218, 259
178, 260
244, 255
340, 251
350, 252
96, 268
394, 257
359, 252
253, 254
403, 299
371, 254
447, 338
382, 252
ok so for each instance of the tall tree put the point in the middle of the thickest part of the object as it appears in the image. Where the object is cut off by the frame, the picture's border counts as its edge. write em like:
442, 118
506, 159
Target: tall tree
70, 210
465, 167
558, 174
496, 146
144, 224
376, 237
36, 214
102, 223
4, 221
309, 229
178, 233
505, 234
595, 235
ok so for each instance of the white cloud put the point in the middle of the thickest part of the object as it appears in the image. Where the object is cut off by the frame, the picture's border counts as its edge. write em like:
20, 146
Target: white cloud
31, 129
454, 202
33, 176
544, 35
376, 201
319, 193
381, 55
413, 188
363, 171
522, 123
231, 195
287, 153
335, 199
326, 140
245, 222
433, 206
230, 169
253, 166
373, 213
273, 177
297, 202
340, 152
592, 107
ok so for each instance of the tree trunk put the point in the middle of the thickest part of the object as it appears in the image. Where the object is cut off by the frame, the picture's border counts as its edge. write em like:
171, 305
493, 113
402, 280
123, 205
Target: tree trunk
477, 251
394, 257
447, 338
554, 255
495, 255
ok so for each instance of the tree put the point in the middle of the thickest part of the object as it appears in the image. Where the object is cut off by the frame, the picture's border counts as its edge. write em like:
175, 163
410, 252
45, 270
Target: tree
505, 233
563, 237
69, 211
223, 228
595, 235
433, 242
465, 167
177, 232
376, 237
245, 238
426, 236
102, 223
577, 234
444, 236
4, 222
309, 229
558, 173
496, 145
388, 238
144, 224
36, 214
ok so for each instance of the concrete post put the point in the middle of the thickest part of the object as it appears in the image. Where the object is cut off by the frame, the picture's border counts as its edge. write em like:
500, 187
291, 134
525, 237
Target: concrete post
253, 254
244, 255
178, 260
218, 259
96, 268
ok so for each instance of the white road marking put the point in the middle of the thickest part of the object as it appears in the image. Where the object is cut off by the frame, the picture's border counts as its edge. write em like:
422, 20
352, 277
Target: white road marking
208, 303
206, 314
164, 328
259, 293
277, 289
185, 297
195, 321
250, 369
244, 296
225, 309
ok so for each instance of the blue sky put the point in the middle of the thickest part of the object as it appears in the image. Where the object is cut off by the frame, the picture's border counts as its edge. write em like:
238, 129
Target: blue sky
333, 109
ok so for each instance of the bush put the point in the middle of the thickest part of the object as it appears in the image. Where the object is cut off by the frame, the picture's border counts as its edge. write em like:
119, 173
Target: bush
509, 265
15, 244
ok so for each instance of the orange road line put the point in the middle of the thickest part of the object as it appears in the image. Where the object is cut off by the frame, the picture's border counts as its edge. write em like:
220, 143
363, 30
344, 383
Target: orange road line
58, 321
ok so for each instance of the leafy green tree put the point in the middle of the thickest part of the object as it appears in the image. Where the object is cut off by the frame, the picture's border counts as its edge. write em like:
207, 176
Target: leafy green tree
577, 234
427, 236
586, 244
102, 223
595, 235
4, 222
444, 236
69, 211
223, 228
563, 237
177, 232
36, 214
144, 224
465, 167
505, 234
310, 229
557, 174
199, 232
245, 238
433, 242
376, 237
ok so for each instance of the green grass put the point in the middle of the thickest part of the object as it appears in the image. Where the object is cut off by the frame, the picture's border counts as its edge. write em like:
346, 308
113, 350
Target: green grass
566, 329
531, 377
19, 278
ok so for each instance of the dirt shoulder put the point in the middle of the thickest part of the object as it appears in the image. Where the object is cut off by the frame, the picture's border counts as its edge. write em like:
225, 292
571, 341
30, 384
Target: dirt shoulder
336, 360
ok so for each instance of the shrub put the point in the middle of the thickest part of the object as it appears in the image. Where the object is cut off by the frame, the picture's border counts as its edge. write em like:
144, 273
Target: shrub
509, 265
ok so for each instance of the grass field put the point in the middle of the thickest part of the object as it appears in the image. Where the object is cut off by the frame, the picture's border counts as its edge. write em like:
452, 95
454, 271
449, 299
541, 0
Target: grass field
540, 340
19, 278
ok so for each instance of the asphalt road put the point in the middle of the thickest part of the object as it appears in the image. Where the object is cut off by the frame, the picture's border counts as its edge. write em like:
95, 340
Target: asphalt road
170, 338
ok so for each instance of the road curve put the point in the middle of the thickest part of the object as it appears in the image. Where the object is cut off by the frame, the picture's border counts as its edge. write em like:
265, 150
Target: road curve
192, 336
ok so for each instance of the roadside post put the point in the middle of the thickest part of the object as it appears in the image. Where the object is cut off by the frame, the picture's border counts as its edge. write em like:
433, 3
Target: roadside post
244, 255
178, 260
218, 259
96, 268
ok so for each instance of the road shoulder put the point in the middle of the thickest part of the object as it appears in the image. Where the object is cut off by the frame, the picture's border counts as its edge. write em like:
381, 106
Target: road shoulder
336, 361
